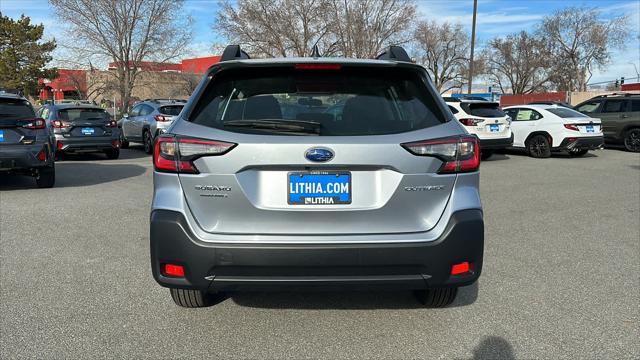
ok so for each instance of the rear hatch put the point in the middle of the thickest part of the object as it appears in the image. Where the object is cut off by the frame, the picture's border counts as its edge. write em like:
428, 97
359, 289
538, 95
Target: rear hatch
315, 150
83, 122
16, 119
168, 113
485, 118
576, 121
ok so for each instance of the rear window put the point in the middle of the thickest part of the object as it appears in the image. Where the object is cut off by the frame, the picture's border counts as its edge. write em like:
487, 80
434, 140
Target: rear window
349, 101
490, 110
79, 114
565, 113
172, 110
15, 109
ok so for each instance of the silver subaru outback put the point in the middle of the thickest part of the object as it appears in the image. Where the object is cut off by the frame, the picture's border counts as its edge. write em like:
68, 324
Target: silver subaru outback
315, 173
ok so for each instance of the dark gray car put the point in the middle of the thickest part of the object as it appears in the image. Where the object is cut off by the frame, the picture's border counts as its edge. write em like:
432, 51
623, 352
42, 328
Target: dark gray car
25, 142
82, 128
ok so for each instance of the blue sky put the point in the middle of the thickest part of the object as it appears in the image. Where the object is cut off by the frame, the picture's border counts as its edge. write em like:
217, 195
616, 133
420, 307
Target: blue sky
495, 18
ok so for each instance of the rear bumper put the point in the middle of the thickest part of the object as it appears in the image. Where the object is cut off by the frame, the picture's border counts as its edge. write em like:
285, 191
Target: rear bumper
501, 143
89, 144
589, 143
211, 267
23, 157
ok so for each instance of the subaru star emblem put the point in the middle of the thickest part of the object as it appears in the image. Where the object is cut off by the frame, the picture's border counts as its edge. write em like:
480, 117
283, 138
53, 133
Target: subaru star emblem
319, 154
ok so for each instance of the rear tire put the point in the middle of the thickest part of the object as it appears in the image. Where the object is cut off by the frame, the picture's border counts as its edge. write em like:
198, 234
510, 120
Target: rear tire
437, 297
538, 147
485, 154
148, 142
191, 298
578, 152
46, 177
112, 154
632, 140
124, 143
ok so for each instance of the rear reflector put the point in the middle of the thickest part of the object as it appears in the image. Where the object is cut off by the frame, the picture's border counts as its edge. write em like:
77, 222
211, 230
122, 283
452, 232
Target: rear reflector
173, 270
171, 154
318, 66
459, 153
461, 268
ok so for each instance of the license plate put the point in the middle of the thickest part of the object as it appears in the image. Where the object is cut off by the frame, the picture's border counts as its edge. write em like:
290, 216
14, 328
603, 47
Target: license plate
590, 128
87, 131
1, 135
319, 188
494, 128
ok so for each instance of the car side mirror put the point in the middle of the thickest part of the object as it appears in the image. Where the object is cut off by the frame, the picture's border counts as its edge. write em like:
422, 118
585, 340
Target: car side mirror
125, 116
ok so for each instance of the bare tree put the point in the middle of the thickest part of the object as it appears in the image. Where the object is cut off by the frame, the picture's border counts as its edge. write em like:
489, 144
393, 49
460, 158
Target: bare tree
125, 32
579, 42
363, 28
275, 27
443, 49
518, 62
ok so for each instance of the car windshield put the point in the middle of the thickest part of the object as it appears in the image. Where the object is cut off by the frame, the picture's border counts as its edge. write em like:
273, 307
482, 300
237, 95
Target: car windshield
171, 110
483, 109
12, 110
82, 114
565, 113
349, 101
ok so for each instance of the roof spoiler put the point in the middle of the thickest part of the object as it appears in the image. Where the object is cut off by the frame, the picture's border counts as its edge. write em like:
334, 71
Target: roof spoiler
395, 53
233, 52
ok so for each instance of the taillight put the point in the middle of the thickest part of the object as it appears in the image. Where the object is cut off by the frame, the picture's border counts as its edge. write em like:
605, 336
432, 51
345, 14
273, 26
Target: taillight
42, 156
571, 127
111, 124
459, 153
171, 154
471, 121
318, 66
35, 124
58, 124
161, 118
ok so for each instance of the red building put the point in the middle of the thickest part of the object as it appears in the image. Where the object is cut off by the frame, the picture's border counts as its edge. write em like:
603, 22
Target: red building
72, 84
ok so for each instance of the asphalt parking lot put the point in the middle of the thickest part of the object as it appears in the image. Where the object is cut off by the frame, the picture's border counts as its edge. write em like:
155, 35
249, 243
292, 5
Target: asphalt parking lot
561, 275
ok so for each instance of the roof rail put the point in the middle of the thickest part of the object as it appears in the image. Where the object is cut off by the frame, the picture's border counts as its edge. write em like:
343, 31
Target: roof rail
614, 94
396, 53
233, 52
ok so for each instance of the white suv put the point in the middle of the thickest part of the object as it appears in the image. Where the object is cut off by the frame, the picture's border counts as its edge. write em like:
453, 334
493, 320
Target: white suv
485, 120
541, 129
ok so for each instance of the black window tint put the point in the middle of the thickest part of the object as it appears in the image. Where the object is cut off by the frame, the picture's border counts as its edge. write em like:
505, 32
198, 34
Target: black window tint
82, 114
349, 101
135, 111
635, 105
145, 110
614, 106
171, 110
589, 107
512, 113
527, 115
565, 113
453, 110
488, 109
15, 109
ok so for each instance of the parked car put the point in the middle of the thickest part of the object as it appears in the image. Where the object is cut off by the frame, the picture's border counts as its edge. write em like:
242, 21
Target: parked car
486, 120
620, 115
82, 128
385, 196
25, 142
551, 102
541, 129
148, 119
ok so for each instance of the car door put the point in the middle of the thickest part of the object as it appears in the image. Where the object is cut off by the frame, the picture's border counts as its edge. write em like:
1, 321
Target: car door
523, 123
128, 123
614, 115
141, 119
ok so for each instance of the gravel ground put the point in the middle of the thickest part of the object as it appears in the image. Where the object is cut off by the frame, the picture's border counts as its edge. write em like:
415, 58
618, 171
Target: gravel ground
560, 279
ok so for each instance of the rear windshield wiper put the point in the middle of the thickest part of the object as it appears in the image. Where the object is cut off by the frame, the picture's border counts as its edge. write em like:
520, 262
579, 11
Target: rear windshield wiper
279, 125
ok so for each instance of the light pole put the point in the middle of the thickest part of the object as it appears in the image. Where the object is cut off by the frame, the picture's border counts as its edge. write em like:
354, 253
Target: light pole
473, 43
636, 68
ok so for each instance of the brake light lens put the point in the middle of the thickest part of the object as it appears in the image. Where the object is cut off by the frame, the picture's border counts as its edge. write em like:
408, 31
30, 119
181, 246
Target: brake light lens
461, 268
42, 156
173, 270
318, 66
176, 154
59, 124
35, 124
471, 121
459, 154
571, 127
161, 118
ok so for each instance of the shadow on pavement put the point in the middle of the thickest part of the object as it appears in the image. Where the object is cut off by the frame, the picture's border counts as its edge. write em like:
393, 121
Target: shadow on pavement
497, 157
133, 152
76, 174
555, 154
348, 300
493, 347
